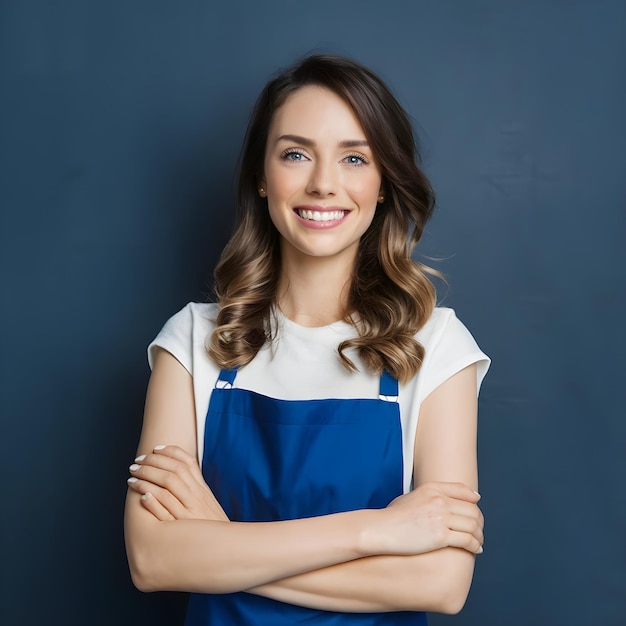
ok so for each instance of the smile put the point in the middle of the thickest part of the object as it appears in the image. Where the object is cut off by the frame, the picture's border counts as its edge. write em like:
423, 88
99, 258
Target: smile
320, 216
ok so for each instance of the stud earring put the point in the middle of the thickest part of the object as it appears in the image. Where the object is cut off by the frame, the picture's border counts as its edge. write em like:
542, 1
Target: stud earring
262, 192
381, 198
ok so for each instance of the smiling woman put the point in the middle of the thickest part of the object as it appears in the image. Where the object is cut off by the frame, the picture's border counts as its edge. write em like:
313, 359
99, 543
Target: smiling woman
317, 461
321, 194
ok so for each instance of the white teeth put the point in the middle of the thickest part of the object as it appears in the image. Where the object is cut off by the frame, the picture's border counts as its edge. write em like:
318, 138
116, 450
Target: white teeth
320, 216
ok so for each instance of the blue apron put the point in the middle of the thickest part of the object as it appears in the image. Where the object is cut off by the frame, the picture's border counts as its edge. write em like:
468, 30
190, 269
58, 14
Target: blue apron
267, 460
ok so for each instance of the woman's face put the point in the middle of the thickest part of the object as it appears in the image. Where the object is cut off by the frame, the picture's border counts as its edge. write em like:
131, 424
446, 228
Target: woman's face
321, 179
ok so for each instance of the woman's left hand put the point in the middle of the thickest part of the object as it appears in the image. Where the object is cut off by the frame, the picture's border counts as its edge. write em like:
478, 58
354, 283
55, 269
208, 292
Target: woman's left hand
172, 486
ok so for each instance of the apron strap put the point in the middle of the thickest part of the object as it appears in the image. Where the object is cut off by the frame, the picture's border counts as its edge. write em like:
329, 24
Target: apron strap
226, 378
388, 387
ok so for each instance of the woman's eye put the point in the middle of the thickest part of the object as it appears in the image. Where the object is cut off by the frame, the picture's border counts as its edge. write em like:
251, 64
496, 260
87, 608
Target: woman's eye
293, 155
355, 159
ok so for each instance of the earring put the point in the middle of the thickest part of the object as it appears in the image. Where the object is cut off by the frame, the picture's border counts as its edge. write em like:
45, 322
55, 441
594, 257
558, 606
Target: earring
381, 198
262, 192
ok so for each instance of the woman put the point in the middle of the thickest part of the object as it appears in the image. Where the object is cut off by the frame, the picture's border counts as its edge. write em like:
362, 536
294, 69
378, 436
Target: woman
338, 454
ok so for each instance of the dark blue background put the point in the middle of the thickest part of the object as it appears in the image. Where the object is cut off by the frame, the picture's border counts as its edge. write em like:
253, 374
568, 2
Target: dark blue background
120, 128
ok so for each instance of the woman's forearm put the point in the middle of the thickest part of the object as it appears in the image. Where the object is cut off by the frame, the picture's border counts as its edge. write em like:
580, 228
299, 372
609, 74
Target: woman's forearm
221, 557
436, 581
183, 549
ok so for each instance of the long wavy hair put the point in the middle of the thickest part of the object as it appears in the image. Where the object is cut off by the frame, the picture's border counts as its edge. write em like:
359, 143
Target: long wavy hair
390, 296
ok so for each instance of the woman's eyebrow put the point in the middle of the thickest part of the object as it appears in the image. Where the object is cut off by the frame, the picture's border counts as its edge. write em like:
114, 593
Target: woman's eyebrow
296, 139
354, 143
351, 143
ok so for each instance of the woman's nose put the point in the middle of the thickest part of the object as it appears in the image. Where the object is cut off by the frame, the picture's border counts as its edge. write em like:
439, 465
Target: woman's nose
323, 181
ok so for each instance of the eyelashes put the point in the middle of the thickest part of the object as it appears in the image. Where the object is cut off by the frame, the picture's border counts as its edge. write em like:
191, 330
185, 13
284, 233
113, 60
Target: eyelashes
292, 154
354, 159
359, 157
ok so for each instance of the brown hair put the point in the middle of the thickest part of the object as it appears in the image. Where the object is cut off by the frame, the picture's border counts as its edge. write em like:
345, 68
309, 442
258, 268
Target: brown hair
390, 295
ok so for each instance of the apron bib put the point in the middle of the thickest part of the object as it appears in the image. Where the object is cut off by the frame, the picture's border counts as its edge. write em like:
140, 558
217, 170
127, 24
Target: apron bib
267, 460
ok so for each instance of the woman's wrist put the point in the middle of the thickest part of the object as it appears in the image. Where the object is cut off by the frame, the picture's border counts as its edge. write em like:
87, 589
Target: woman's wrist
369, 536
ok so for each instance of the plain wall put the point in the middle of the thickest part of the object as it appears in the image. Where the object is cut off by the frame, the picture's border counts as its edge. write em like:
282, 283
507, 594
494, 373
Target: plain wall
120, 127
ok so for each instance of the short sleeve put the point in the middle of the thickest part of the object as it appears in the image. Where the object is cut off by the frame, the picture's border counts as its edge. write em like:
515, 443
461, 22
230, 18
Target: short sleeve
449, 348
176, 337
185, 337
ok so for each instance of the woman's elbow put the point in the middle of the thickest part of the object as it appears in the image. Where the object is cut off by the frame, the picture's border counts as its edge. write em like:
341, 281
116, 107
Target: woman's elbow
455, 579
452, 602
448, 601
142, 555
142, 570
443, 585
141, 581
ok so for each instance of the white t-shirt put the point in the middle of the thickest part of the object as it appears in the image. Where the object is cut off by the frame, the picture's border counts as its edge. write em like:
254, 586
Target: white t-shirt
302, 363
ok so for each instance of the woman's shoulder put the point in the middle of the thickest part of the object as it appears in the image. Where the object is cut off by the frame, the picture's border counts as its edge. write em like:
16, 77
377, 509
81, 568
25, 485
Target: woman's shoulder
440, 319
205, 309
185, 331
449, 346
192, 316
444, 327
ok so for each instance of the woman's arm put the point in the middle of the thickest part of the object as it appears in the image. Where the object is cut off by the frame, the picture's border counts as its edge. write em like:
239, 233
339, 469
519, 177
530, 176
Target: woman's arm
433, 582
216, 556
445, 450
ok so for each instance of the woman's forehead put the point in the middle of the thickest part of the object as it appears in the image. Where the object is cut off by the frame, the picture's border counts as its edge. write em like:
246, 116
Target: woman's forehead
315, 112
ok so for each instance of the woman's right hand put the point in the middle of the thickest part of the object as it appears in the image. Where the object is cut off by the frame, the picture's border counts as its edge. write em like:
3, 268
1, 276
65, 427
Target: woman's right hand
172, 486
434, 515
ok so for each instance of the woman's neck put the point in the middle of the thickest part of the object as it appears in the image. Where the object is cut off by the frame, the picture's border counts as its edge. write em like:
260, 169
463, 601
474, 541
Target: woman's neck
314, 291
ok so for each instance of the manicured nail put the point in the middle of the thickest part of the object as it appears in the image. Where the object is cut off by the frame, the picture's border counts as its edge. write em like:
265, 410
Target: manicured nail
132, 479
146, 496
476, 492
134, 467
159, 447
140, 458
480, 550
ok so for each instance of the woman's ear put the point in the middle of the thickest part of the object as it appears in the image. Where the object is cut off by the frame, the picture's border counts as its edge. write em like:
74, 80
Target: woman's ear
262, 187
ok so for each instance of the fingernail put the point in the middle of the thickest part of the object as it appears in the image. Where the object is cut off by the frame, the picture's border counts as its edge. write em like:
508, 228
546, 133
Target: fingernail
480, 550
159, 447
476, 492
134, 467
141, 457
132, 479
146, 496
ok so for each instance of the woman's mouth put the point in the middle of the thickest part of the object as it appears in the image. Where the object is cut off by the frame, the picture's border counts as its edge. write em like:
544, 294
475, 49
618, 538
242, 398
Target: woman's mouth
320, 216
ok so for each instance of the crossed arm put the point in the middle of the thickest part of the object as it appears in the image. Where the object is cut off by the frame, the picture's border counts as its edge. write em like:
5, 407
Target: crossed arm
416, 554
